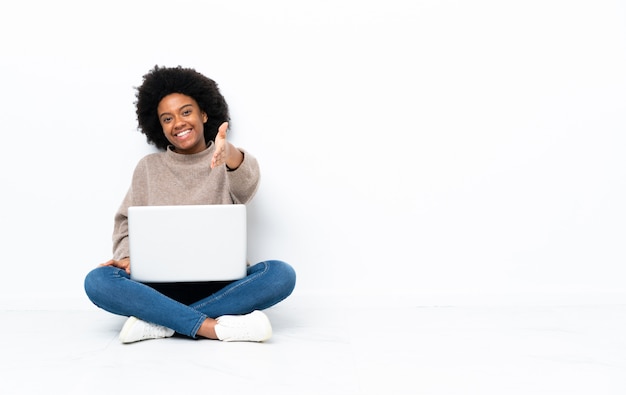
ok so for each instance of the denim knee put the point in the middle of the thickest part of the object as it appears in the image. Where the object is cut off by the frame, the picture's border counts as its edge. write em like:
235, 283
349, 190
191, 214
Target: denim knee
92, 279
98, 283
284, 275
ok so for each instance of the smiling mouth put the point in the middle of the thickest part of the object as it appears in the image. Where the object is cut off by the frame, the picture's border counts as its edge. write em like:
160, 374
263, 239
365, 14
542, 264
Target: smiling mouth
183, 133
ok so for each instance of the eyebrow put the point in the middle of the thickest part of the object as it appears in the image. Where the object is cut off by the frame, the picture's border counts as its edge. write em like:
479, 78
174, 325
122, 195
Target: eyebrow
181, 107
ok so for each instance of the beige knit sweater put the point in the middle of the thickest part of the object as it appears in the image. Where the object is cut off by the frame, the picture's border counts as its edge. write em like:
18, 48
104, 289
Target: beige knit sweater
168, 178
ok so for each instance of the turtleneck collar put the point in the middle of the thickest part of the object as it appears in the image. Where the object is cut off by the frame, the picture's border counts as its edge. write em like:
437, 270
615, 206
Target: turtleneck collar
190, 158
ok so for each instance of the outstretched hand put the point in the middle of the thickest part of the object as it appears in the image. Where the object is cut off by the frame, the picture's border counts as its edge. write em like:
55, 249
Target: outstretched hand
222, 147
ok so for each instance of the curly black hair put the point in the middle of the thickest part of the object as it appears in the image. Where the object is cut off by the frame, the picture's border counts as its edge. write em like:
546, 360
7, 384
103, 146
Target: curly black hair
162, 81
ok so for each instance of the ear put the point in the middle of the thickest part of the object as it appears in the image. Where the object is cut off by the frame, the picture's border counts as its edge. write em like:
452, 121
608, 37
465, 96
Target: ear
204, 117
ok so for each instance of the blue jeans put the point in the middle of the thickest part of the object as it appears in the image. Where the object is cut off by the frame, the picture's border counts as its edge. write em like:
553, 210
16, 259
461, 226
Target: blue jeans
266, 284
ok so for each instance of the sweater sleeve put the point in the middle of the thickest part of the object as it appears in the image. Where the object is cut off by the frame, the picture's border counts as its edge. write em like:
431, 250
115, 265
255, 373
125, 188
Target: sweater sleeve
134, 197
244, 181
120, 229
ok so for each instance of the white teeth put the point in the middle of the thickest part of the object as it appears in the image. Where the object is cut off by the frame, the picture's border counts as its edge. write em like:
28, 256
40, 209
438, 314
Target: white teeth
186, 132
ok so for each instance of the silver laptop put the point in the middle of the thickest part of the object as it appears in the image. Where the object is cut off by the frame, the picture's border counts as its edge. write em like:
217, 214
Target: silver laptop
187, 243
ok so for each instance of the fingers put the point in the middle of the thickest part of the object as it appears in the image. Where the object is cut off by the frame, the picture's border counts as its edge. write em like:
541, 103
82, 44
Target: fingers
110, 262
221, 131
121, 264
219, 156
125, 264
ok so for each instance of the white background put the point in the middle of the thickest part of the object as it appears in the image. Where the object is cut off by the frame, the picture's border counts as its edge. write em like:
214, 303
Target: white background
409, 148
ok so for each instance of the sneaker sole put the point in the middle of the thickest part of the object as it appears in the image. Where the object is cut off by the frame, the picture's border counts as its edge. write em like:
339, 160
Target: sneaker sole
262, 317
126, 329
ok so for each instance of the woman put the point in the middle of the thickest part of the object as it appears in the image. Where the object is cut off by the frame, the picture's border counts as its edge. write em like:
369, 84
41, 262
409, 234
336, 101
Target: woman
183, 114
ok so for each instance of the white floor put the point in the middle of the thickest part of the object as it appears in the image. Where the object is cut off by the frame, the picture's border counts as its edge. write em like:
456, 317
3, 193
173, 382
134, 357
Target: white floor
325, 349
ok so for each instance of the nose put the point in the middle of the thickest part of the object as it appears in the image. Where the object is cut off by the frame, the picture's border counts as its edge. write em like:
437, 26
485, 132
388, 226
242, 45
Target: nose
178, 122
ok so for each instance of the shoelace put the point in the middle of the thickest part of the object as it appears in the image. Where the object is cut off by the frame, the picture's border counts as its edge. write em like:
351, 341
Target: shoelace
153, 330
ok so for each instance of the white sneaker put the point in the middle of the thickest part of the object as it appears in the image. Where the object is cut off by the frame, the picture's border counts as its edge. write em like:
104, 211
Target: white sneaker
135, 330
253, 327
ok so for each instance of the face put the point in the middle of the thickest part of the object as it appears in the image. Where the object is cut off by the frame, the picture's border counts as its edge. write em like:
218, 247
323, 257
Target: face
183, 123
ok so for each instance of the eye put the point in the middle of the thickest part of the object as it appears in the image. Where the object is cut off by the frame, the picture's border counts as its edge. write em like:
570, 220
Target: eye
186, 112
166, 119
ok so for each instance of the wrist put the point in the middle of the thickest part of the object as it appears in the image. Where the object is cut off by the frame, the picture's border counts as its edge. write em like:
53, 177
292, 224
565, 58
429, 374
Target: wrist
234, 165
